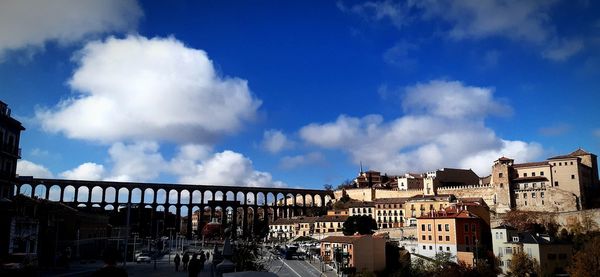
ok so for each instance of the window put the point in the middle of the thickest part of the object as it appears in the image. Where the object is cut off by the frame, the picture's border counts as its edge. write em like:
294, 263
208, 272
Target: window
556, 183
525, 174
473, 227
500, 175
525, 203
571, 163
423, 247
440, 227
467, 240
447, 248
447, 227
430, 247
466, 227
551, 256
440, 248
541, 173
508, 250
533, 195
468, 249
559, 163
447, 238
516, 196
423, 237
562, 256
524, 195
428, 227
572, 176
440, 239
554, 164
429, 237
422, 227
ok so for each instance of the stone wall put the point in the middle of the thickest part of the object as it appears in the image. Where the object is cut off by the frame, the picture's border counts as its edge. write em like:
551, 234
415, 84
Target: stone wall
382, 193
486, 192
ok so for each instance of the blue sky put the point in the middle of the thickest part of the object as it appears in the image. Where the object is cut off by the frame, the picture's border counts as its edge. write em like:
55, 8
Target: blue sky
272, 93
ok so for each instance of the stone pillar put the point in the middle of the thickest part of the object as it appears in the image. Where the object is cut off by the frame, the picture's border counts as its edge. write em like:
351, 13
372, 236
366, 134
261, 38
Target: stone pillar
189, 222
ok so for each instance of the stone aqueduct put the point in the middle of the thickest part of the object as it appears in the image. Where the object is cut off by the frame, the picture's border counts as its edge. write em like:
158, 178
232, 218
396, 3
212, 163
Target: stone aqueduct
180, 199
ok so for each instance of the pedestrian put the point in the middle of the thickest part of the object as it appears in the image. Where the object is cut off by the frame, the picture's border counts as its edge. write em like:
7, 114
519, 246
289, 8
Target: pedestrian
202, 260
185, 260
110, 269
207, 255
194, 266
177, 260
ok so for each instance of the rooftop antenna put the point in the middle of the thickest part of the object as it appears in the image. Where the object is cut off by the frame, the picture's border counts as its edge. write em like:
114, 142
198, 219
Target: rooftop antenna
361, 168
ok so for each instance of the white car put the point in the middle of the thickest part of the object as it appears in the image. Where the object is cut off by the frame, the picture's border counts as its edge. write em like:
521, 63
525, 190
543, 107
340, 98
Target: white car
143, 258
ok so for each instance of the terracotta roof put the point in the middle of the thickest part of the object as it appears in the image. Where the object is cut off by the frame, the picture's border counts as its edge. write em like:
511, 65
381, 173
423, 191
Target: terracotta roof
563, 157
531, 178
446, 214
332, 218
397, 200
356, 204
532, 164
342, 239
579, 152
574, 154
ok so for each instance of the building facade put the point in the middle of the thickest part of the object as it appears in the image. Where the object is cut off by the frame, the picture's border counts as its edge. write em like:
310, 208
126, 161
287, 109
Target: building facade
456, 233
365, 253
553, 257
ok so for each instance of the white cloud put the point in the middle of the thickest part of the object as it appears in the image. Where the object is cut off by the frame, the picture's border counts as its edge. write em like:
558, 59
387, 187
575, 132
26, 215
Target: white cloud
26, 24
400, 55
522, 21
289, 162
140, 161
27, 168
555, 130
430, 135
85, 171
227, 168
137, 88
452, 99
275, 141
563, 50
396, 12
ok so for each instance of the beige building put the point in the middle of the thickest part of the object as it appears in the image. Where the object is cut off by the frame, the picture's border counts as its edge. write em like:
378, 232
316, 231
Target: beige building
329, 223
562, 183
420, 205
389, 212
365, 253
552, 257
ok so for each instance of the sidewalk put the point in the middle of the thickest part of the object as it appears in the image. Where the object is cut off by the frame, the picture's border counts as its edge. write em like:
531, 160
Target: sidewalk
327, 270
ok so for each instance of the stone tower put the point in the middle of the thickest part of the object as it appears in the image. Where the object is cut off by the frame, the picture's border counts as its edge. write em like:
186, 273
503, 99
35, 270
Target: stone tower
500, 180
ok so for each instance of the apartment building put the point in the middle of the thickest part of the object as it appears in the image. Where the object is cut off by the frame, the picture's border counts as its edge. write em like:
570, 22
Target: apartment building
329, 223
282, 229
455, 232
552, 256
420, 205
389, 212
365, 253
361, 208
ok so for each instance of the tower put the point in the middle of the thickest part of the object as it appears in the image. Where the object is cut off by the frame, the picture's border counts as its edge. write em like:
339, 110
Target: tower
500, 180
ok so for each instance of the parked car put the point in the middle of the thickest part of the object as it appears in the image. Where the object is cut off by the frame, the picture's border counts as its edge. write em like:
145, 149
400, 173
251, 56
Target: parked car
20, 261
143, 257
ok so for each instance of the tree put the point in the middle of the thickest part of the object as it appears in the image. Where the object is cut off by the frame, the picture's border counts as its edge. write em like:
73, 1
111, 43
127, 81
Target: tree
363, 224
523, 265
328, 187
261, 229
586, 262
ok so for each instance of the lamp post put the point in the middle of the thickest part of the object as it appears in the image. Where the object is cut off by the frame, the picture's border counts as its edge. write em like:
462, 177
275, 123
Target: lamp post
135, 235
